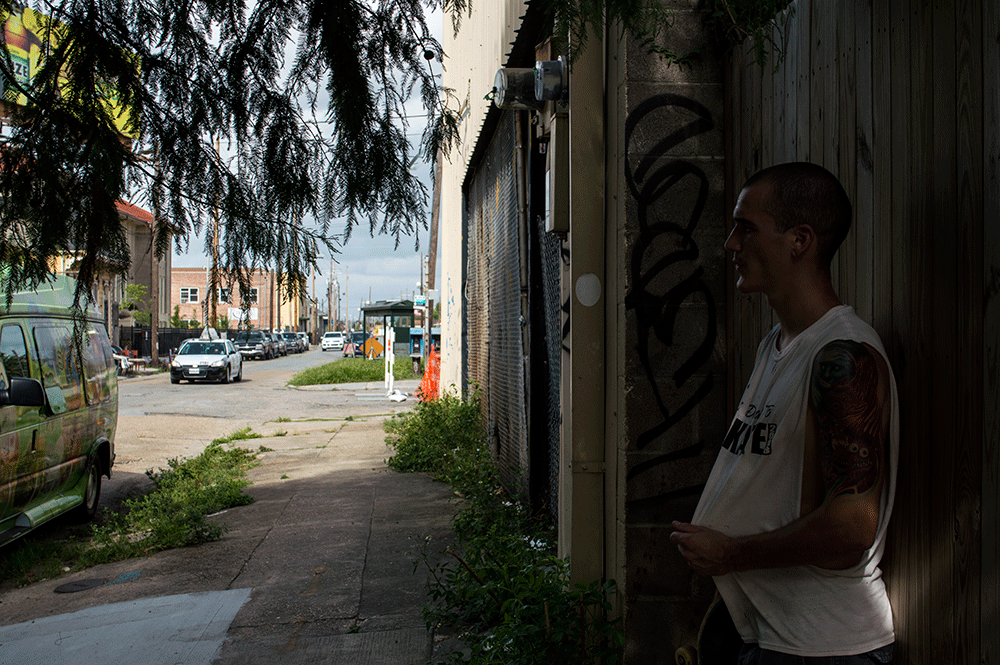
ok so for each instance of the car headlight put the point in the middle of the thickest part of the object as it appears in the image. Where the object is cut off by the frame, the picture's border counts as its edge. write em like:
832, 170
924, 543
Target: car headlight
219, 363
175, 363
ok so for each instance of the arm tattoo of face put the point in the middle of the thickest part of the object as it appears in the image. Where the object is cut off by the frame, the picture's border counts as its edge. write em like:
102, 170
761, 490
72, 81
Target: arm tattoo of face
846, 398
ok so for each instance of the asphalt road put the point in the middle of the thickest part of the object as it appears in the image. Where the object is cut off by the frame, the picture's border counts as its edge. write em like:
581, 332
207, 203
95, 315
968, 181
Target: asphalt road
158, 420
320, 568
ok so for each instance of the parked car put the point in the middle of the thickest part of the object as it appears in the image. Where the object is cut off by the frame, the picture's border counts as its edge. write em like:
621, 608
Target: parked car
332, 340
254, 344
293, 341
58, 409
355, 345
304, 336
207, 360
280, 348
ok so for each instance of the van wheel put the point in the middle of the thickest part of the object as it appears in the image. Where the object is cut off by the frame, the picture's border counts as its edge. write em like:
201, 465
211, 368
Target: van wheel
86, 511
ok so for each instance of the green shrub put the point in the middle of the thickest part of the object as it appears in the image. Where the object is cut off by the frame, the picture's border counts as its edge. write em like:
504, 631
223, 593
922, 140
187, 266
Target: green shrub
443, 437
174, 513
503, 584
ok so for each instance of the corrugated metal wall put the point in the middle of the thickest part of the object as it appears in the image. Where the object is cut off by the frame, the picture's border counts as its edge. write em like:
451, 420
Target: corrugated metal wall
496, 353
900, 99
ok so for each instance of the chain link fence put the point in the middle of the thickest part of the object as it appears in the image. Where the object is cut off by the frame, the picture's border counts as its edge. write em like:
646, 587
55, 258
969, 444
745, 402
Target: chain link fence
496, 353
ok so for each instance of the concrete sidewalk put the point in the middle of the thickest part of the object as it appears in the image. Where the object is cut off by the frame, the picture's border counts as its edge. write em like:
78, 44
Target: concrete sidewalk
320, 568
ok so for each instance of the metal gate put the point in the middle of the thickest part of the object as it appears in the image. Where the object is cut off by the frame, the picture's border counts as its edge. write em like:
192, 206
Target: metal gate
493, 291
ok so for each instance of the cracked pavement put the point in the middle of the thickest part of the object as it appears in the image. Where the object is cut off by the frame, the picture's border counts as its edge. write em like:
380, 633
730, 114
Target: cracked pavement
326, 550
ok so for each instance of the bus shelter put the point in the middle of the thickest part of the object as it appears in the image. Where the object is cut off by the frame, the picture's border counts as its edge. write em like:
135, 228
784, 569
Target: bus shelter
391, 315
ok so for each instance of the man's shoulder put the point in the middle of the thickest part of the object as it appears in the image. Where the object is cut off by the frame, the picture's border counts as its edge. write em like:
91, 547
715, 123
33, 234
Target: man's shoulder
846, 326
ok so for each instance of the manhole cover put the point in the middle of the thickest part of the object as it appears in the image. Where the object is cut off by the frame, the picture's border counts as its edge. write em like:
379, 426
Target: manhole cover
79, 585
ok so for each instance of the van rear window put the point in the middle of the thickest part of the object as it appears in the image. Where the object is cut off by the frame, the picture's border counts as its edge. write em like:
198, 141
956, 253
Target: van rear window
98, 364
14, 352
58, 358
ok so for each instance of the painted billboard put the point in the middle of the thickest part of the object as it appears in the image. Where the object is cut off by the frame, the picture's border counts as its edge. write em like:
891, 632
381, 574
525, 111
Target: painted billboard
26, 33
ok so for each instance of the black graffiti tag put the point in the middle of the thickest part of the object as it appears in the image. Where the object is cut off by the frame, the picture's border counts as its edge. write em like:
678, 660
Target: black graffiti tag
657, 308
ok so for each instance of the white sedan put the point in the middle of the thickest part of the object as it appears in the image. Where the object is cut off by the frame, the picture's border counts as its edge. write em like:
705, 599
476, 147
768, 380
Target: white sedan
211, 360
333, 340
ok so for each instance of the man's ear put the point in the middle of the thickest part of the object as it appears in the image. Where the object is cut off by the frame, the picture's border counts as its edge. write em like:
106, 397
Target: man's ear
803, 239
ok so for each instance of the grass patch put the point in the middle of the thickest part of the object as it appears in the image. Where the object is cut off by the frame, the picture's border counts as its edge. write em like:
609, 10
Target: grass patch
172, 515
502, 586
351, 370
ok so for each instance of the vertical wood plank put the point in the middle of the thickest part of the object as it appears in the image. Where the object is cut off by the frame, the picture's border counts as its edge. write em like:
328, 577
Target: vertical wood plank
757, 132
864, 268
803, 84
776, 72
932, 540
968, 327
845, 165
990, 587
818, 66
882, 168
789, 71
904, 581
943, 277
767, 147
828, 24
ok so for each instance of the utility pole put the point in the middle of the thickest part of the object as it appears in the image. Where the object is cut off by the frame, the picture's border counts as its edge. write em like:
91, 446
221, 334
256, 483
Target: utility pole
432, 254
213, 282
154, 284
330, 325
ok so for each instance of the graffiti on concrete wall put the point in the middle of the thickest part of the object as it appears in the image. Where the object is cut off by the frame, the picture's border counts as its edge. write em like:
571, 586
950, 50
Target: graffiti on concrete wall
670, 195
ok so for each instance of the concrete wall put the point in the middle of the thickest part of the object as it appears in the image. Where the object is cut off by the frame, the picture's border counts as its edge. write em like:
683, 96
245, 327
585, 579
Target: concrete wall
668, 225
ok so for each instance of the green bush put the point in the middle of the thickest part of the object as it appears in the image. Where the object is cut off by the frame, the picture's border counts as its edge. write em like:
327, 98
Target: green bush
352, 370
442, 437
503, 584
174, 513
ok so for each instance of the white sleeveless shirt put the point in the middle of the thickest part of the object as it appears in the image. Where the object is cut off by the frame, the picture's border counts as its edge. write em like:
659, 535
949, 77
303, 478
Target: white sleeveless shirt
755, 486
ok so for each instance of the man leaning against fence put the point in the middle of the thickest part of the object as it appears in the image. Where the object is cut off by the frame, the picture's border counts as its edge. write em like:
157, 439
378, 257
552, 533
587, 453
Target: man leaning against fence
792, 521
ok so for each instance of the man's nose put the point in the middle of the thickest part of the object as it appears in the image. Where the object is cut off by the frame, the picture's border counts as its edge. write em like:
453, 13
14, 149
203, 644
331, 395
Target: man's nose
732, 242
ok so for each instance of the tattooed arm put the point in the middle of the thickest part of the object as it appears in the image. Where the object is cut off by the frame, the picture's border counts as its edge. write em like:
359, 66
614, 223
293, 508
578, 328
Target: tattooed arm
848, 421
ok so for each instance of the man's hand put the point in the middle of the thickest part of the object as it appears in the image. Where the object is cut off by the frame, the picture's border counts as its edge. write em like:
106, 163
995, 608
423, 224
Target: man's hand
708, 552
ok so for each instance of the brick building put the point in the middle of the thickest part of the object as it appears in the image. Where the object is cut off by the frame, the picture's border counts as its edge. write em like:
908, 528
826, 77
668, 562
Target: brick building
188, 295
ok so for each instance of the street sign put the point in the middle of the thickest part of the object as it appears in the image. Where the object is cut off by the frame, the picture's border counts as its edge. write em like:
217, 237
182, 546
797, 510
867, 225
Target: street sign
420, 301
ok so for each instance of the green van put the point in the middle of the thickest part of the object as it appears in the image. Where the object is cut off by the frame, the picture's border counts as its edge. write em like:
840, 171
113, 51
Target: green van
58, 409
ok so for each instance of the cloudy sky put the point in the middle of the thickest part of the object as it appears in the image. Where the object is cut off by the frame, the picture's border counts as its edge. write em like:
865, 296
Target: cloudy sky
367, 268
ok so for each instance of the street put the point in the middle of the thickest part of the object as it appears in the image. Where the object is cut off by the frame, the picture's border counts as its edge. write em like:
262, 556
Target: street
158, 421
318, 568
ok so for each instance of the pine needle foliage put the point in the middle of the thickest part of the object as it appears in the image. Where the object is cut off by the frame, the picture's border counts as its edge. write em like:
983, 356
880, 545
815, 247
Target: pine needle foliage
309, 95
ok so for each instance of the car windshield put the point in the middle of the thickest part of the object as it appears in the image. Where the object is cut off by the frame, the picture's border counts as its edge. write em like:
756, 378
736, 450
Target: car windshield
358, 337
202, 349
245, 337
291, 336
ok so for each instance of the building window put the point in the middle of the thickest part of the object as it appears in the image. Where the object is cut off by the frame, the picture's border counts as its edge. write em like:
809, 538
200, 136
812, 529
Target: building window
224, 295
189, 294
252, 296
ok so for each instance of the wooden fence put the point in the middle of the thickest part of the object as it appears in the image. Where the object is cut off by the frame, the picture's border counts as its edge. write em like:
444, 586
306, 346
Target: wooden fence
900, 99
